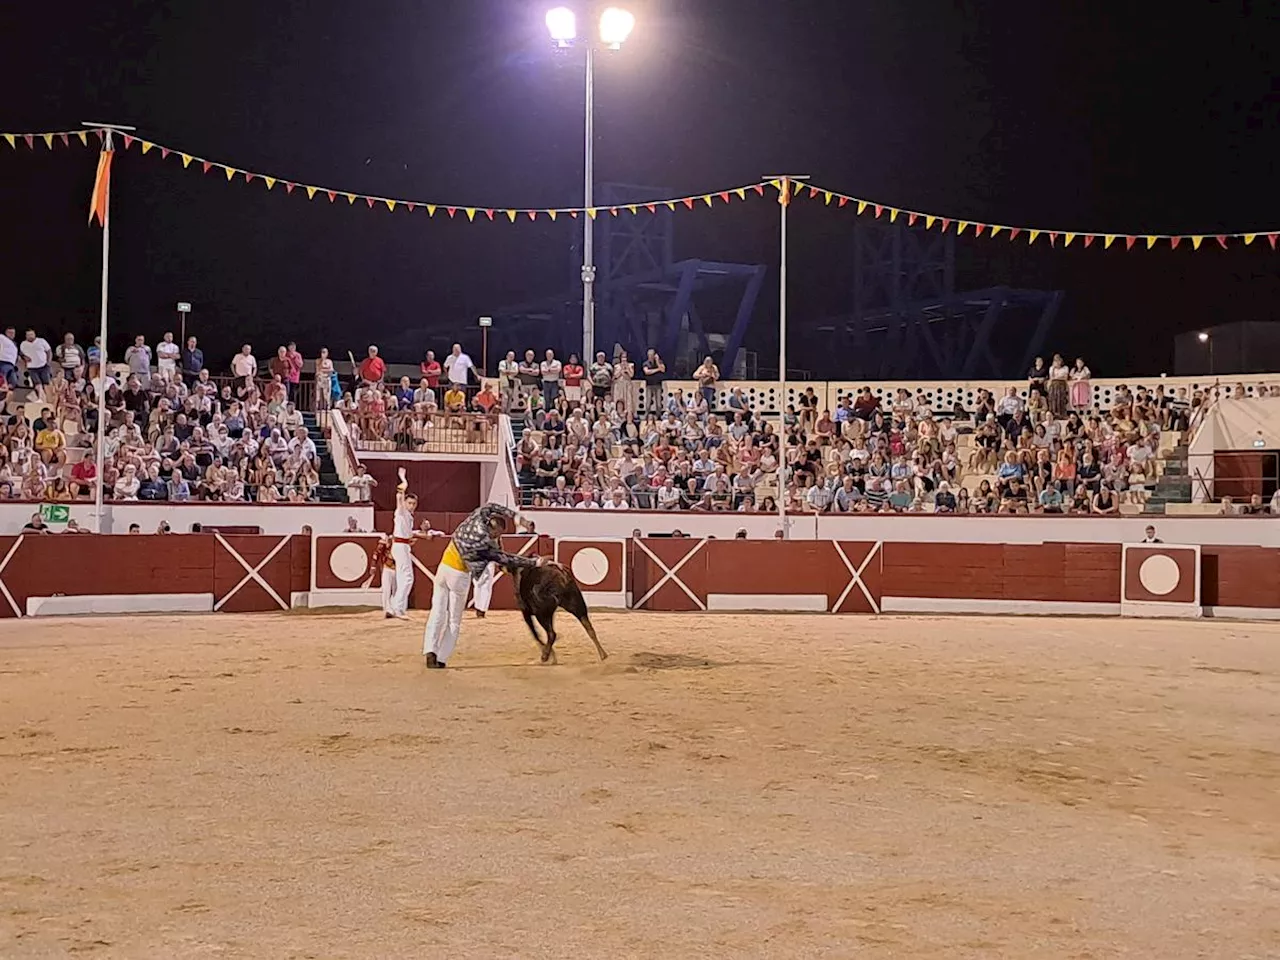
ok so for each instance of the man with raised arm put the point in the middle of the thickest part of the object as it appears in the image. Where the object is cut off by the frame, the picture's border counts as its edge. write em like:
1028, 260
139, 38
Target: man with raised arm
402, 537
475, 545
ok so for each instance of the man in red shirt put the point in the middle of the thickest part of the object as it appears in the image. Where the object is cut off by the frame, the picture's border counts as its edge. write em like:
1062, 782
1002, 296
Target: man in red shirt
83, 476
430, 368
293, 375
372, 369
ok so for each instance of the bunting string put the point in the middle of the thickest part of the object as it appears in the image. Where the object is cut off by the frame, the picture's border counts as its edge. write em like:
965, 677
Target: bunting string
787, 190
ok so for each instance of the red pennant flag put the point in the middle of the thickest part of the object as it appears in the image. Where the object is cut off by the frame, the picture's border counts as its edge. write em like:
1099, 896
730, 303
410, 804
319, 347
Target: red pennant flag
206, 165
31, 140
574, 214
1173, 243
101, 189
333, 195
880, 210
843, 201
288, 187
1222, 242
451, 211
1013, 232
1088, 240
945, 224
66, 141
369, 201
653, 208
248, 177
533, 214
759, 189
688, 202
128, 141
102, 136
489, 214
813, 192
725, 196
1053, 239
614, 211
911, 220
978, 228
1129, 242
1271, 239
164, 153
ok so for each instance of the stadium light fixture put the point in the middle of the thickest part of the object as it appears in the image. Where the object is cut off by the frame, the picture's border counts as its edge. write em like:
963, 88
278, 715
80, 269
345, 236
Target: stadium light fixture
562, 24
616, 26
1202, 337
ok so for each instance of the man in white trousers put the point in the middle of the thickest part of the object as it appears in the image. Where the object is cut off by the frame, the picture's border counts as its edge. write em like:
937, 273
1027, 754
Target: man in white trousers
474, 547
402, 538
482, 592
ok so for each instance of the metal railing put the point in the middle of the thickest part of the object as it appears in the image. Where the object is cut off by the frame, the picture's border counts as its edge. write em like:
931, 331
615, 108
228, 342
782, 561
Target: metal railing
411, 432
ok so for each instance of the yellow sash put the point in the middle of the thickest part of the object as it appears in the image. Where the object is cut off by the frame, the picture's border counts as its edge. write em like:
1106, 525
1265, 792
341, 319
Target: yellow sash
452, 558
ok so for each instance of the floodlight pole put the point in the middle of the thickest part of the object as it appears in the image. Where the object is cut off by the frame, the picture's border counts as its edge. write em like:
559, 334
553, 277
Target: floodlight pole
588, 224
108, 146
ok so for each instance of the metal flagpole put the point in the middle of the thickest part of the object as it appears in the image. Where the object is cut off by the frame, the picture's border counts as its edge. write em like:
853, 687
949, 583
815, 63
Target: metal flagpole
784, 201
107, 146
588, 225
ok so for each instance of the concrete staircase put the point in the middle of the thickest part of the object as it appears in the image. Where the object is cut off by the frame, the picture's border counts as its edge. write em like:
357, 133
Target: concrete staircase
1174, 483
331, 489
517, 434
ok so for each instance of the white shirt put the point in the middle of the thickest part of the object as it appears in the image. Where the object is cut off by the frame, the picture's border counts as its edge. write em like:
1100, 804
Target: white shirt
403, 528
138, 358
358, 488
37, 352
8, 350
456, 368
244, 365
167, 353
550, 369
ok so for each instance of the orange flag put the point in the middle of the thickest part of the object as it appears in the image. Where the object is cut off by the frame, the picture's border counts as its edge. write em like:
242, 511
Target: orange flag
101, 189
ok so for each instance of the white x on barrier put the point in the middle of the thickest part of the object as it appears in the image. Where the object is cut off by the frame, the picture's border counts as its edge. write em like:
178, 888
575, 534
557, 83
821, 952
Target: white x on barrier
253, 573
4, 563
670, 573
856, 576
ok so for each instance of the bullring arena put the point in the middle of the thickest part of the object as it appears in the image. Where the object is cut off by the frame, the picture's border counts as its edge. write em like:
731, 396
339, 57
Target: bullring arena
281, 778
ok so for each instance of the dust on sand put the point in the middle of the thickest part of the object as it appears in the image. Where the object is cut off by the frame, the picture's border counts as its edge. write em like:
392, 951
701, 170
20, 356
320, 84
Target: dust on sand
745, 786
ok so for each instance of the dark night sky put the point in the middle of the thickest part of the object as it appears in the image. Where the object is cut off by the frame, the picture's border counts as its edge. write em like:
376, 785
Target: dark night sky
1112, 117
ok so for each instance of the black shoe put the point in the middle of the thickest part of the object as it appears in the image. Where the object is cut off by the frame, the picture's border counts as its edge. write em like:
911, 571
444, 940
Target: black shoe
433, 663
388, 616
479, 614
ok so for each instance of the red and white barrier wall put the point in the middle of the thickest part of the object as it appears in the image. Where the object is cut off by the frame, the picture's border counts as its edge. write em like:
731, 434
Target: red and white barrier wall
64, 574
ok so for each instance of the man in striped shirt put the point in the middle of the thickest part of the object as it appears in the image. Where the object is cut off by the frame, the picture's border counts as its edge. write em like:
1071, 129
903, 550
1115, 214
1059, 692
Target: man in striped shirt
475, 545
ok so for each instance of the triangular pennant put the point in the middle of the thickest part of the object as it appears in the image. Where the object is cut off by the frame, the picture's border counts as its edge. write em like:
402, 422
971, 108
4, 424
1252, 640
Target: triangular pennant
146, 145
533, 215
391, 205
1222, 241
613, 211
1088, 240
431, 209
271, 182
248, 177
206, 165
651, 207
1249, 238
451, 211
489, 214
66, 140
574, 214
48, 141
30, 138
1108, 240
759, 189
960, 227
893, 214
911, 219
827, 197
978, 228
1031, 237
186, 160
164, 153
1066, 240
1271, 239
83, 135
843, 201
879, 210
369, 202
1013, 233
1053, 239
231, 172
724, 196
741, 192
671, 205
410, 206
1129, 242
688, 202
945, 223
351, 198
1173, 242
128, 141
12, 140
552, 215
776, 184
471, 214
1195, 242
995, 230
633, 208
928, 222
862, 207
707, 199
813, 192
591, 212
1151, 242
288, 187
311, 193
511, 215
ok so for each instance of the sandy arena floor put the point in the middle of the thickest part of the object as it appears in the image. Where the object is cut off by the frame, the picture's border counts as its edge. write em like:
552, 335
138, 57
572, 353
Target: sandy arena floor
298, 786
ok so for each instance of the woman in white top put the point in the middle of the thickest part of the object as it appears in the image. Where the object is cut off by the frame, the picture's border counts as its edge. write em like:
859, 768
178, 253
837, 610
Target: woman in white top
1059, 392
324, 380
167, 355
624, 372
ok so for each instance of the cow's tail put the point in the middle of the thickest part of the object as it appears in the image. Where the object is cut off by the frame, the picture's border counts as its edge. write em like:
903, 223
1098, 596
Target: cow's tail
575, 604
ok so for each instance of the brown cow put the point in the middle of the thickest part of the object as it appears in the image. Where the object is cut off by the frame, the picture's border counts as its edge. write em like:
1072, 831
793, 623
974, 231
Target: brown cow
539, 591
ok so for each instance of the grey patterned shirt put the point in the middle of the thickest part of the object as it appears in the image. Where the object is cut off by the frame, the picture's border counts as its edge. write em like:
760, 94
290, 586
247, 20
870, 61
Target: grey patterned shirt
478, 549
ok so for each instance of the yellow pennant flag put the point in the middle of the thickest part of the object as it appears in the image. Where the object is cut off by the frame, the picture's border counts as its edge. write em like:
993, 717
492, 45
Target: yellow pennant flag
592, 213
84, 137
893, 214
633, 208
776, 184
741, 192
186, 160
1067, 240
231, 172
827, 197
928, 222
431, 209
995, 230
48, 141
1032, 239
862, 205
552, 214
511, 215
671, 205
471, 213
12, 140
146, 146
1108, 240
1151, 242
391, 205
311, 193
707, 198
960, 227
271, 182
1249, 238
1195, 242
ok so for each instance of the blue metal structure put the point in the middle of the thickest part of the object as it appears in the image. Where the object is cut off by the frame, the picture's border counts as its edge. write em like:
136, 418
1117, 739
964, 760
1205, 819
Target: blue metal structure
908, 321
645, 297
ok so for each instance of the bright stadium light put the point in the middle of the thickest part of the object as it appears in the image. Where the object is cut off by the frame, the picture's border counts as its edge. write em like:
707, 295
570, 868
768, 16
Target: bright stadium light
616, 25
562, 24
1203, 337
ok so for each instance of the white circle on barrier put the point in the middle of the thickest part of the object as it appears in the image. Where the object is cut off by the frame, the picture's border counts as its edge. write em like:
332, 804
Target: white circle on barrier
1159, 574
590, 566
349, 562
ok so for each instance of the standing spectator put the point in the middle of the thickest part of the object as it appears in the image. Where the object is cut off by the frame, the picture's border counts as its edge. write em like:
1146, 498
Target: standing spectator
36, 354
1059, 392
1081, 390
573, 375
244, 366
360, 485
278, 367
707, 375
293, 370
624, 374
192, 360
70, 357
168, 354
508, 378
95, 357
9, 356
653, 370
601, 377
138, 357
324, 380
372, 367
458, 367
550, 370
530, 373
430, 369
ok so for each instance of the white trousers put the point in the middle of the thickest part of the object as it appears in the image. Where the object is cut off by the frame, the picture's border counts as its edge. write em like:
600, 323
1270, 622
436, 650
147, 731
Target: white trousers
483, 595
448, 603
403, 556
388, 589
